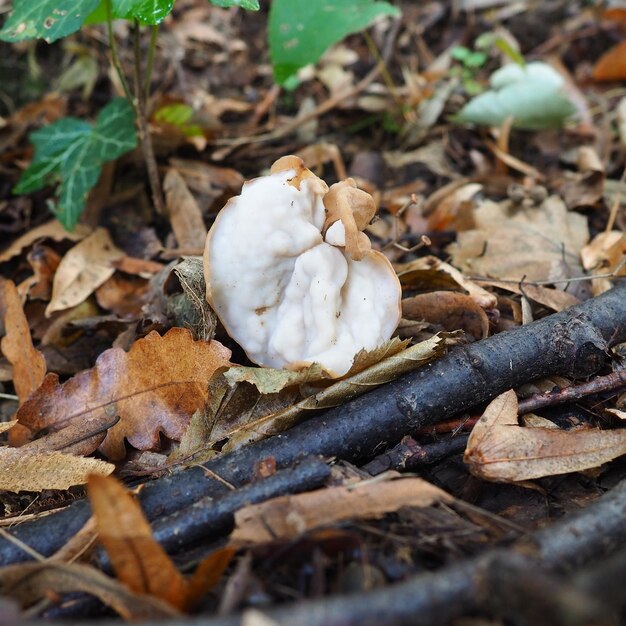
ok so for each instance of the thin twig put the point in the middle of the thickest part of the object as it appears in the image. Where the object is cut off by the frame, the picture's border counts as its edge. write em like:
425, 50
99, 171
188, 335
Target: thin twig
610, 382
147, 80
115, 58
142, 127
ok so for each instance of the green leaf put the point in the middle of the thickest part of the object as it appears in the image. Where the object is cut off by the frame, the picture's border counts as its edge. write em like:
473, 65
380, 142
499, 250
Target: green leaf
530, 95
72, 152
45, 19
300, 31
146, 11
251, 5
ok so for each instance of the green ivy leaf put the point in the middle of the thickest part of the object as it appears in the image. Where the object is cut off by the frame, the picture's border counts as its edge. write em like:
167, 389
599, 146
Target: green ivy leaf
146, 11
72, 152
300, 31
250, 5
45, 19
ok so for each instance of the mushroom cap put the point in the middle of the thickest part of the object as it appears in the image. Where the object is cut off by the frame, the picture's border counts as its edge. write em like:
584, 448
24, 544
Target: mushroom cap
289, 294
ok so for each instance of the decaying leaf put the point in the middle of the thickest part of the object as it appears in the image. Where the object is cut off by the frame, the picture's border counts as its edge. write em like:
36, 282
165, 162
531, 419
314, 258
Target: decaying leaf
26, 470
184, 213
287, 517
537, 243
605, 254
154, 388
430, 273
449, 310
138, 559
83, 269
50, 230
29, 366
28, 583
270, 380
612, 64
553, 298
362, 377
500, 450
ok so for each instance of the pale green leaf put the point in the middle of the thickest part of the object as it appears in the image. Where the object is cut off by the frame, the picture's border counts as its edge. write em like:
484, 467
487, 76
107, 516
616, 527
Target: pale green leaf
45, 19
529, 95
300, 31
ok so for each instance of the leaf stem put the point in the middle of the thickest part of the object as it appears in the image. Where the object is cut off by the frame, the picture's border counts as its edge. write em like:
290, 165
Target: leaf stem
147, 81
115, 58
142, 127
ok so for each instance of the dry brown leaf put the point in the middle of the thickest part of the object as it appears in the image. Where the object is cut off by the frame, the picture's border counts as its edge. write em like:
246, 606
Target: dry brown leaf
269, 380
28, 583
612, 64
183, 212
500, 450
449, 310
29, 365
552, 298
44, 261
123, 295
50, 230
430, 273
138, 559
537, 243
154, 388
26, 470
288, 517
605, 254
83, 269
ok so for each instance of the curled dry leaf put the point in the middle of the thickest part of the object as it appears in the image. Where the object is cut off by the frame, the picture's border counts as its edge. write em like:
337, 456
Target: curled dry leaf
28, 583
44, 261
154, 388
29, 366
138, 559
288, 517
500, 450
50, 230
449, 310
83, 269
605, 254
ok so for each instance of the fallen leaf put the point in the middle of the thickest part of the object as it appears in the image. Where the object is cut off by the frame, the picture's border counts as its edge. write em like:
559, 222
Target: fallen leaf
288, 517
362, 377
611, 65
29, 366
500, 450
50, 230
449, 310
430, 273
183, 212
23, 470
553, 298
155, 388
538, 243
28, 583
123, 295
138, 559
269, 380
82, 270
605, 254
44, 261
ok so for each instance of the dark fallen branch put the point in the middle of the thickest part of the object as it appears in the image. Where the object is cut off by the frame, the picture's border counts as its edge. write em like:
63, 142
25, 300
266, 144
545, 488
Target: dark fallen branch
572, 343
539, 580
411, 455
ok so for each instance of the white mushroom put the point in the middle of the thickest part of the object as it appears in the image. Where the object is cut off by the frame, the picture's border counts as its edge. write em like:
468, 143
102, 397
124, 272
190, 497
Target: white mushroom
292, 276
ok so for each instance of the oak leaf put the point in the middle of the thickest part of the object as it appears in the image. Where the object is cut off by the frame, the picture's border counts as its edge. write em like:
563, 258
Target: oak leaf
154, 388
